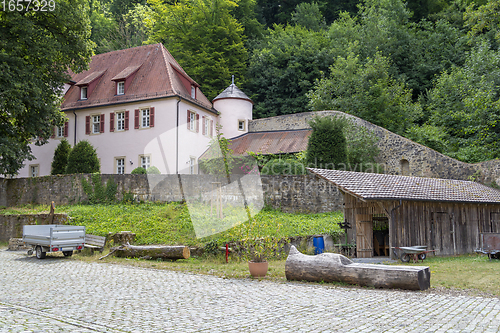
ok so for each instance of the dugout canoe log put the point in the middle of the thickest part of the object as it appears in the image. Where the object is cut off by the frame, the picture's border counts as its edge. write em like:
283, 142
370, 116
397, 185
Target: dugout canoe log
152, 252
332, 267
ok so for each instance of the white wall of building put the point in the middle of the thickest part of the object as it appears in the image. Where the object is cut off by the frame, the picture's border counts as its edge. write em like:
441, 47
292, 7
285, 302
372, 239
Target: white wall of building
158, 142
232, 111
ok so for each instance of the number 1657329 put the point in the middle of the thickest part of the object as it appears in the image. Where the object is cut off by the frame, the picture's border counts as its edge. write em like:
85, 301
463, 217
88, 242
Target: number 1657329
27, 5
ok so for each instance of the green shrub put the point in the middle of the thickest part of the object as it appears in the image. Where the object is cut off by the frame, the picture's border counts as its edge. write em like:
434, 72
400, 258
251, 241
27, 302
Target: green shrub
283, 167
60, 161
152, 170
327, 146
83, 159
138, 171
98, 193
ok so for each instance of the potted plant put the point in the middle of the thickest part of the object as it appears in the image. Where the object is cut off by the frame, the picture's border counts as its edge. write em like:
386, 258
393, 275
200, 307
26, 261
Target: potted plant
257, 248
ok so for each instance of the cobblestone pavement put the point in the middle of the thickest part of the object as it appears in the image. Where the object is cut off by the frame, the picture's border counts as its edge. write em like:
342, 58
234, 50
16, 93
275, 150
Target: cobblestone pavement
61, 295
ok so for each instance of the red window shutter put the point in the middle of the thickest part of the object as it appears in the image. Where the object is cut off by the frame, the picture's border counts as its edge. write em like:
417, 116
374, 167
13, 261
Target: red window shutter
189, 119
111, 122
87, 125
102, 123
66, 125
126, 120
197, 123
54, 129
203, 125
211, 128
152, 117
136, 119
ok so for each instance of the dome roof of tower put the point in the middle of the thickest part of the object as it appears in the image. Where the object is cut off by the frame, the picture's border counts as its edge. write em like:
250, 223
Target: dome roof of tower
232, 92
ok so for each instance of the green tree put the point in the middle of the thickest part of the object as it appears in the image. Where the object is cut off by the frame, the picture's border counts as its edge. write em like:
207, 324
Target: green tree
283, 69
483, 18
205, 38
327, 147
465, 104
60, 160
83, 159
36, 50
367, 91
309, 16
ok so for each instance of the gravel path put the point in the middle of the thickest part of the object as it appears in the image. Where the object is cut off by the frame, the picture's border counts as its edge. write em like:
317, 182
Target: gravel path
61, 295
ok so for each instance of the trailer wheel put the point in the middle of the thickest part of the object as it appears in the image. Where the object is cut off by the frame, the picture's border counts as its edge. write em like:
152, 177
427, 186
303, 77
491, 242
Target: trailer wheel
39, 253
68, 253
405, 257
30, 252
422, 256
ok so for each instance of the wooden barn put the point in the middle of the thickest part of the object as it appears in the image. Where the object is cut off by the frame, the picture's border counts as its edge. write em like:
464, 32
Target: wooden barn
387, 211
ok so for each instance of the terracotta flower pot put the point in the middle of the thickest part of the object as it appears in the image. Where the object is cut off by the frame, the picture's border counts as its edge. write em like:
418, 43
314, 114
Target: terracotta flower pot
258, 269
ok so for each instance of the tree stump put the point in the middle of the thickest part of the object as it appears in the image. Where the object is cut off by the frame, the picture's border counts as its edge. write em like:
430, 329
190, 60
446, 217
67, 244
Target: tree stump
123, 237
152, 252
331, 267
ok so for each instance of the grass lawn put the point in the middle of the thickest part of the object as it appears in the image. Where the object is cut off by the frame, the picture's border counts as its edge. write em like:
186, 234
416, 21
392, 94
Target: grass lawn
159, 223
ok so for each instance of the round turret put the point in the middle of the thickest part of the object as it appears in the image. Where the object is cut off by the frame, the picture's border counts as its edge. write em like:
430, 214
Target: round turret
235, 109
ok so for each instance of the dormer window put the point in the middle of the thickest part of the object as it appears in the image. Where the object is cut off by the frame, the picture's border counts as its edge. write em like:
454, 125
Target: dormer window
83, 92
193, 92
120, 88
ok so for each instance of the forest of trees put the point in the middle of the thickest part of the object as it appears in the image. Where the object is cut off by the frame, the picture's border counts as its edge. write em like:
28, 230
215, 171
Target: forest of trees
426, 69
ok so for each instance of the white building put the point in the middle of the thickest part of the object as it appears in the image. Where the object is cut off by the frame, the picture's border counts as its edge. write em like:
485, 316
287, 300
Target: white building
138, 107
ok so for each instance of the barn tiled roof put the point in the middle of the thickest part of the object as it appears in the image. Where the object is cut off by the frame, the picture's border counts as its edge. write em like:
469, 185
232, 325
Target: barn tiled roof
156, 74
371, 186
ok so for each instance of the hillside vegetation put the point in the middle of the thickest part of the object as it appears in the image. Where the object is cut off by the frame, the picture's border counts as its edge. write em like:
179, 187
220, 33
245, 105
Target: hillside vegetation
170, 223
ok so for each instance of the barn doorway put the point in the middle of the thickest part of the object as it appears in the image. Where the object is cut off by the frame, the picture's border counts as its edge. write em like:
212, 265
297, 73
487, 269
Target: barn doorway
380, 235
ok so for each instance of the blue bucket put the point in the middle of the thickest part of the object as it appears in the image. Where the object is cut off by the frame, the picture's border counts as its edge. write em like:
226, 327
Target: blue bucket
319, 244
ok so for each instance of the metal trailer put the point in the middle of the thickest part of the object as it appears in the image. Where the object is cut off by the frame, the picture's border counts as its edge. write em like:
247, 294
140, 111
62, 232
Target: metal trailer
53, 238
490, 244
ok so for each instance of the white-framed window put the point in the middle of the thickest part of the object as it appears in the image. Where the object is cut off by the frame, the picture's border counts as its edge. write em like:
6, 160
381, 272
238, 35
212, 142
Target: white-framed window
145, 118
83, 92
120, 121
206, 126
34, 170
60, 132
120, 165
120, 88
192, 165
96, 124
193, 92
192, 121
145, 161
241, 125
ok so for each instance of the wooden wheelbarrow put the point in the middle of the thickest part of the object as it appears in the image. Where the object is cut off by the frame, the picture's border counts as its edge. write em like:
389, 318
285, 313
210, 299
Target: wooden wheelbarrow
415, 252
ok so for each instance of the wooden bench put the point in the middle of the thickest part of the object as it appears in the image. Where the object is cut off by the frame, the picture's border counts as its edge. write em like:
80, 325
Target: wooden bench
95, 242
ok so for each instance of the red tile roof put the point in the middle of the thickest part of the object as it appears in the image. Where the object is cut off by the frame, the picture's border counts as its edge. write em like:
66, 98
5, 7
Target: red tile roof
158, 75
277, 142
371, 186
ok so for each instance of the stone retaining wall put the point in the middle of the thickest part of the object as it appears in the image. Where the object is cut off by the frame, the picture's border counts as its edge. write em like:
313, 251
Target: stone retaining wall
11, 226
307, 194
395, 151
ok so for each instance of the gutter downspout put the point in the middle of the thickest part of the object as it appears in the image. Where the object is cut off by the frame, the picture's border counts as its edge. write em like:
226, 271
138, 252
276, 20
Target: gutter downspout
74, 136
177, 139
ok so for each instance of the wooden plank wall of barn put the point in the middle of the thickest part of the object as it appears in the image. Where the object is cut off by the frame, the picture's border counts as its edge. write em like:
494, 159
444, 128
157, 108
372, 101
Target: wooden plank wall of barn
449, 228
431, 223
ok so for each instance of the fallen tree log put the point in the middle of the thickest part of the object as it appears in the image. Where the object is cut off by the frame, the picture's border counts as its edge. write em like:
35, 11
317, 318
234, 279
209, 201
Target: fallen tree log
152, 252
331, 267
